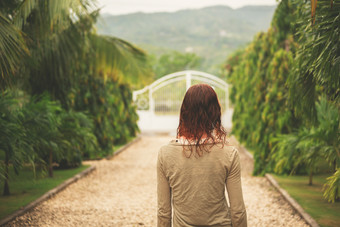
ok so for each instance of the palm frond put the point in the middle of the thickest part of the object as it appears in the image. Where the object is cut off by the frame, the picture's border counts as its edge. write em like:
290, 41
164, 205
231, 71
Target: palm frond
118, 57
332, 187
56, 59
317, 66
23, 11
57, 10
286, 154
12, 49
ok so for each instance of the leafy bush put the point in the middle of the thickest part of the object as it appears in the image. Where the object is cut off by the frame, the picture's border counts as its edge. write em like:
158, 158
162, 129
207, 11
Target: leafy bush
14, 140
77, 128
59, 136
109, 105
39, 132
311, 143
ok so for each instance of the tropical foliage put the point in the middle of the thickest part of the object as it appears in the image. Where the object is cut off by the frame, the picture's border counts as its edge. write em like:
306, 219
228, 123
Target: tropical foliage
48, 51
317, 67
40, 133
108, 103
12, 48
13, 138
259, 92
310, 144
331, 188
278, 83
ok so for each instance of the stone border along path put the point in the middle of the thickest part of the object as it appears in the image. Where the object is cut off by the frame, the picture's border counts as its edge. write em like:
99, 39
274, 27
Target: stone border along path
46, 196
295, 205
62, 186
292, 202
122, 192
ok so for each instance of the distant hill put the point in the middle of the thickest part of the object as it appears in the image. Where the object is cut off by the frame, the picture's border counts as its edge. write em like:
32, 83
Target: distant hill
212, 32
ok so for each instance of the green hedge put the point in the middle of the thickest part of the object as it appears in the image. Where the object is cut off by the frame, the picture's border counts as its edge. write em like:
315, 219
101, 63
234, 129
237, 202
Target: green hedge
110, 106
258, 75
286, 105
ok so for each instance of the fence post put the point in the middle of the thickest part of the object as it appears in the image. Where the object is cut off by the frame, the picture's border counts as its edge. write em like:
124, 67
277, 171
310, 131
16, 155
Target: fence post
188, 80
227, 97
151, 102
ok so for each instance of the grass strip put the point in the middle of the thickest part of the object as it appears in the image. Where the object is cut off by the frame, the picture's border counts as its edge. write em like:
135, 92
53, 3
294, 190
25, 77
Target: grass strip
311, 199
25, 189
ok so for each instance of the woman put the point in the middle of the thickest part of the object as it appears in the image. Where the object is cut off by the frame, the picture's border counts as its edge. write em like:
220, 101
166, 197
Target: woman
194, 170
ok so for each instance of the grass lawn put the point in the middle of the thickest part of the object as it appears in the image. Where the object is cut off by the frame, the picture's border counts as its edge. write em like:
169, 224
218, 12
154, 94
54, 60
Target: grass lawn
311, 199
24, 189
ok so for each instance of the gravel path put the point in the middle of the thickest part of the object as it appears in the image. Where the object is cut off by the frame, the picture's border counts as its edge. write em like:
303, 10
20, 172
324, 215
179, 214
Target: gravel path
122, 192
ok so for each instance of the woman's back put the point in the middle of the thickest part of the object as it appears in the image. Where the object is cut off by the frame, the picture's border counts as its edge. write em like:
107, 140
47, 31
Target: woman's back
198, 186
192, 175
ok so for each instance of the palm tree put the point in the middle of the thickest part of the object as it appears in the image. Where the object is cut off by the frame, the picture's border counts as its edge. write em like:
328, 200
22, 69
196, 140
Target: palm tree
318, 65
43, 122
43, 45
58, 35
316, 73
12, 50
310, 144
13, 140
294, 150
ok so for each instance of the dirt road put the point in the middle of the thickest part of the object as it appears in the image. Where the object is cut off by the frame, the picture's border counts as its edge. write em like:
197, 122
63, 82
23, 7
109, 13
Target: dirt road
122, 192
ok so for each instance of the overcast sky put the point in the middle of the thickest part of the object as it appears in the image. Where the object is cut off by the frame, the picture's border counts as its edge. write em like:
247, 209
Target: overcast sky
117, 7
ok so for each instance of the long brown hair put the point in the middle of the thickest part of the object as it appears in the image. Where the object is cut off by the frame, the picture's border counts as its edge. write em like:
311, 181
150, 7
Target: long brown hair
200, 118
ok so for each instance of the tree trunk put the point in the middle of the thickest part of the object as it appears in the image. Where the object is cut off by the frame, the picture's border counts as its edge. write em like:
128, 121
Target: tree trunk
310, 177
6, 186
334, 164
50, 165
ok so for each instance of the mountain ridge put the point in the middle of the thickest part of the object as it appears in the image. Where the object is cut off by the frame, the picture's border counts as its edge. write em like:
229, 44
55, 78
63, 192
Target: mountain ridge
211, 32
106, 14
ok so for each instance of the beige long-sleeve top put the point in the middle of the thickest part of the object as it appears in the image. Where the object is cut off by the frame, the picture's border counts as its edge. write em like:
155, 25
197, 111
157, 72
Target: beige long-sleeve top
194, 188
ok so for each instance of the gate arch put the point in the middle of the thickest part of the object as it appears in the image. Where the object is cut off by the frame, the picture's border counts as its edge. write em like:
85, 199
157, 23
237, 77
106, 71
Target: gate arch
158, 104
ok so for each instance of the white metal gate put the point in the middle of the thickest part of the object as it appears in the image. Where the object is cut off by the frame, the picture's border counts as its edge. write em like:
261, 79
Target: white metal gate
159, 103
